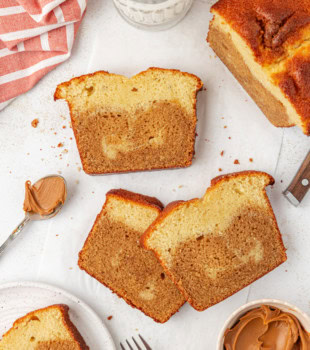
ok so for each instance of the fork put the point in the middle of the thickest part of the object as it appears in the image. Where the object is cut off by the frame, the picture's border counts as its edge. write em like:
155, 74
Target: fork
147, 347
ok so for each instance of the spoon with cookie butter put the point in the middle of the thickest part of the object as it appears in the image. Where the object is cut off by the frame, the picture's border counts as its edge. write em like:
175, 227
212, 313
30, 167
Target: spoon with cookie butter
43, 200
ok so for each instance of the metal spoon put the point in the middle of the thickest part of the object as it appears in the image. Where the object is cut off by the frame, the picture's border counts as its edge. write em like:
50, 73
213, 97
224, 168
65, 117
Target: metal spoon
29, 216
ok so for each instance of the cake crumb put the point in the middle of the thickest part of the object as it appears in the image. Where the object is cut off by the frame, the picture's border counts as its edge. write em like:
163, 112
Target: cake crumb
64, 127
134, 89
57, 235
59, 172
220, 169
79, 168
251, 160
225, 126
65, 151
181, 186
70, 268
222, 153
236, 161
60, 144
109, 318
55, 133
77, 182
35, 123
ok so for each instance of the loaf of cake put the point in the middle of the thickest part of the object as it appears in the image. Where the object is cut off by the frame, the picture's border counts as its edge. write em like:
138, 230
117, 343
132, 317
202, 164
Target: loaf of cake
142, 123
266, 45
112, 254
44, 329
214, 246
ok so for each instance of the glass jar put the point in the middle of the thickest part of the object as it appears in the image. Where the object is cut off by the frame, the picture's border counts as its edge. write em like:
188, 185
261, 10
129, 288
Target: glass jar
153, 14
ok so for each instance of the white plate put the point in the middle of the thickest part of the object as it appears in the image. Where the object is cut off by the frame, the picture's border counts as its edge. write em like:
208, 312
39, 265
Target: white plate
19, 298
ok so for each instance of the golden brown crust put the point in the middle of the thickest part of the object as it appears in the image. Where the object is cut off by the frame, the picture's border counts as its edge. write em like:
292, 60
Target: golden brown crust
137, 198
267, 26
294, 81
174, 205
245, 173
141, 200
76, 336
277, 33
73, 330
57, 95
133, 170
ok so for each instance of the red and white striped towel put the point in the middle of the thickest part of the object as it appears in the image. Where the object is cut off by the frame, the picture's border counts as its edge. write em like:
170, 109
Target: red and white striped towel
35, 36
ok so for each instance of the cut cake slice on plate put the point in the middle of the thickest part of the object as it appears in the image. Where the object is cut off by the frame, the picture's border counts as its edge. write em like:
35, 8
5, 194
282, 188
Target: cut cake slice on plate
49, 328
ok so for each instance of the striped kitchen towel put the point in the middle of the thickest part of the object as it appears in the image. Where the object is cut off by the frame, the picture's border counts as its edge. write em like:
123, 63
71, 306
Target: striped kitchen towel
35, 36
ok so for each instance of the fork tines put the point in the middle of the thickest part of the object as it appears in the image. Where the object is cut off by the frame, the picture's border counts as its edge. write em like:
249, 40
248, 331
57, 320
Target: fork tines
138, 347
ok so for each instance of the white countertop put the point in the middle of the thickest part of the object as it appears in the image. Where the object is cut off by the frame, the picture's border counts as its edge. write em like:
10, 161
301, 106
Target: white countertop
47, 251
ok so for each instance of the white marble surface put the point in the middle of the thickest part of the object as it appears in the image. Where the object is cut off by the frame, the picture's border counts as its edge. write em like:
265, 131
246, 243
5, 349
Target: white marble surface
47, 251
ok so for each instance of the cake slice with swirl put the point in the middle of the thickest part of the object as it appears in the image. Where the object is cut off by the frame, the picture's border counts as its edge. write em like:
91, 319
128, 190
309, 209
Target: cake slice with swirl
214, 246
140, 123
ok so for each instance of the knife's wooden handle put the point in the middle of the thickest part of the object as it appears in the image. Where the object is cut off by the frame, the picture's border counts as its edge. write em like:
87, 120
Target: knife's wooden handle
301, 182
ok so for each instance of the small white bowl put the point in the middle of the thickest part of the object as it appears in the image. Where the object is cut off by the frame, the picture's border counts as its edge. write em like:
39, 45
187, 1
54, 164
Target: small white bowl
153, 14
282, 305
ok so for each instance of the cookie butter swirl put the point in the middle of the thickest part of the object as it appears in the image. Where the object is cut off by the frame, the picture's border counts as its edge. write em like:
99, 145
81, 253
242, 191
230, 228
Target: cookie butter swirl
267, 328
45, 195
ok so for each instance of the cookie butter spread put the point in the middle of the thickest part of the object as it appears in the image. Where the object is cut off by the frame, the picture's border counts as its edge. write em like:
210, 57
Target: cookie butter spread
45, 195
267, 328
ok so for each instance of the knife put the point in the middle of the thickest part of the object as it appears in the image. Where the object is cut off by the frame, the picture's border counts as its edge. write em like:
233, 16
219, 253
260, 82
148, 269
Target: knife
300, 185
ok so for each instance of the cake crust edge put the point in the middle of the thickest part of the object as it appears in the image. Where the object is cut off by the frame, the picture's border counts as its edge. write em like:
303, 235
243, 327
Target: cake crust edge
271, 107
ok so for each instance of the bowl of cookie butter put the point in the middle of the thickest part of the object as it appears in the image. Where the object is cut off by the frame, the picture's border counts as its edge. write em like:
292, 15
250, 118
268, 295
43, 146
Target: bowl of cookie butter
266, 324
